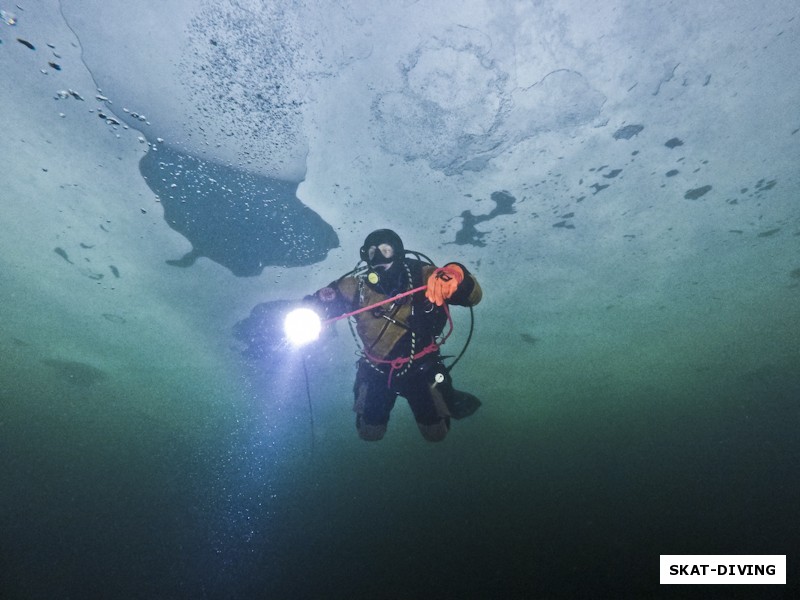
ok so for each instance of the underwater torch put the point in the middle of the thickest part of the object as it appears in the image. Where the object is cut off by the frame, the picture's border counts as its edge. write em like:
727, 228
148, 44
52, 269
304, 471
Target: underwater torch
302, 326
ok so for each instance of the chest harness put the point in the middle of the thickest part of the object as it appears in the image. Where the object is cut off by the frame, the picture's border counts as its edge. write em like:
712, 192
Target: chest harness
397, 366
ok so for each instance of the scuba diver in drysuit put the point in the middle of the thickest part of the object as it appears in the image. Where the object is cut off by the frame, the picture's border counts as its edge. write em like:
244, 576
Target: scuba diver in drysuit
401, 337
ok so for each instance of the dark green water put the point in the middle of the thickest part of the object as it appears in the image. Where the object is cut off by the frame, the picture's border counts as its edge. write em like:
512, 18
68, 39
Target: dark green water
580, 505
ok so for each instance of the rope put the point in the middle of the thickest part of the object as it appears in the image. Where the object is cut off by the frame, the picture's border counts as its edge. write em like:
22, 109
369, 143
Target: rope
401, 361
310, 406
381, 303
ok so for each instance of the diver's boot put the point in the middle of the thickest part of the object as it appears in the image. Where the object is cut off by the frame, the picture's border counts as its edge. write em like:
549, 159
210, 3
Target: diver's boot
461, 404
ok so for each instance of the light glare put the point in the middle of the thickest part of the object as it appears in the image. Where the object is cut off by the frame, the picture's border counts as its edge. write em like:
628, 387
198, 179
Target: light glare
302, 326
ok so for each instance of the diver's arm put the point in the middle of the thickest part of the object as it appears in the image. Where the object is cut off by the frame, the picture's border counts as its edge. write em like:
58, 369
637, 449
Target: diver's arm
335, 299
469, 292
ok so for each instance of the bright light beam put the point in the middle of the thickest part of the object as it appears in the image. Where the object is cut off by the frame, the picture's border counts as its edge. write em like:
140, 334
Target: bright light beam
302, 326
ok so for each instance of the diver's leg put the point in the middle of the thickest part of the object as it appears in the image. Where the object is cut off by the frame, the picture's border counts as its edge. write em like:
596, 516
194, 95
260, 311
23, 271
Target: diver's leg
429, 408
459, 404
373, 402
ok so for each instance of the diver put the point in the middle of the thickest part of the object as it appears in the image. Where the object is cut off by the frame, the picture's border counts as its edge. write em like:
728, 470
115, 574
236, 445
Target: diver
401, 337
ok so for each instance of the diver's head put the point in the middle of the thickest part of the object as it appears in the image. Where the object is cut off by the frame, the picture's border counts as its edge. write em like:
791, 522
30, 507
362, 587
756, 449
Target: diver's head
382, 249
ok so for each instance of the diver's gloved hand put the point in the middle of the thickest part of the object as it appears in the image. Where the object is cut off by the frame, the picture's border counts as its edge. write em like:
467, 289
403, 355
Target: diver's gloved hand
443, 283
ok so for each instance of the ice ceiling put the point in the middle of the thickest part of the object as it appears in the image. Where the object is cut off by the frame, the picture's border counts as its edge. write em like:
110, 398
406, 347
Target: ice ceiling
621, 176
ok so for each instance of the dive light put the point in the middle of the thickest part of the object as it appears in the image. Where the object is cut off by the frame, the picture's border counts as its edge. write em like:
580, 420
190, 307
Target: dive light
302, 326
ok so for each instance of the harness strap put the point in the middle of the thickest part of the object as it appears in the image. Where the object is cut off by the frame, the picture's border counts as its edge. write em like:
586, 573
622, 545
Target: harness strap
401, 361
381, 303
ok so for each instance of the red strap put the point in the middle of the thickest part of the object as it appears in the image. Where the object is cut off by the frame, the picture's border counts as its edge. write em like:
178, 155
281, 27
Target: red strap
382, 302
399, 362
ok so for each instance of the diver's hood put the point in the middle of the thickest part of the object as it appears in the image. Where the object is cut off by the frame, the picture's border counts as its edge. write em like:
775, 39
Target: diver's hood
372, 257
